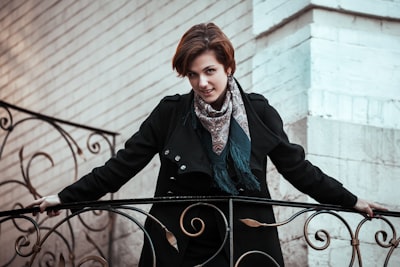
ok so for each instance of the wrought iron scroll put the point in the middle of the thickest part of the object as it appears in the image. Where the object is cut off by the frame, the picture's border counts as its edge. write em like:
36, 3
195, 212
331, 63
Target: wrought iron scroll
12, 118
29, 244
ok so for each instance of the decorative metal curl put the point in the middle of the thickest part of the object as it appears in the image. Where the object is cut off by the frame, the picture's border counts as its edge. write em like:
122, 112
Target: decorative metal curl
25, 171
6, 123
323, 235
201, 230
392, 243
23, 241
95, 147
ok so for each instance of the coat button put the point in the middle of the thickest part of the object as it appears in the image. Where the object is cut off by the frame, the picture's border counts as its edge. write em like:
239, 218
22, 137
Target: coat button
166, 152
172, 178
177, 158
241, 190
170, 193
183, 167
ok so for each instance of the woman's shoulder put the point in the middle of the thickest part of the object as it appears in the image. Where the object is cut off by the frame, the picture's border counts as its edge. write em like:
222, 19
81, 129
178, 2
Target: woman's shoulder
257, 97
263, 108
175, 98
258, 100
174, 102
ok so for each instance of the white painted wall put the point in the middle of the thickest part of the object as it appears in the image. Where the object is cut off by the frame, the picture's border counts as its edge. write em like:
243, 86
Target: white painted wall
336, 64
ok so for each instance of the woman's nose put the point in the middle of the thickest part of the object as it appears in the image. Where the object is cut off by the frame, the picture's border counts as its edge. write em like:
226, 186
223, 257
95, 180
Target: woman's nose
203, 81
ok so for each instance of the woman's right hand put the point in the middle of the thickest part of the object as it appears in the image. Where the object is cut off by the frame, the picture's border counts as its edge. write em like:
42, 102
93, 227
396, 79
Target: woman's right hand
45, 202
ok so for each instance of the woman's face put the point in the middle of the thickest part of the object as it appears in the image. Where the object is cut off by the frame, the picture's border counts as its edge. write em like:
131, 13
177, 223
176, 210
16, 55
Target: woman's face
209, 79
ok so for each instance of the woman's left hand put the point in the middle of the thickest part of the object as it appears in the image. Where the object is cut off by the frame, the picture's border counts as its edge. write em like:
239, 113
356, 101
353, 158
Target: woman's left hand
367, 207
45, 202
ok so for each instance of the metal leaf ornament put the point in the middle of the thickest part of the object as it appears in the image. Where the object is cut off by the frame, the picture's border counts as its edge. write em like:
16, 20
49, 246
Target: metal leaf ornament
252, 223
171, 239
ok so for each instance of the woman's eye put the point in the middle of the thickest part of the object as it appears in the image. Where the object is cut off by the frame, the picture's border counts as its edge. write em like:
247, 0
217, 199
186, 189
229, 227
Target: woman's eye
210, 71
190, 75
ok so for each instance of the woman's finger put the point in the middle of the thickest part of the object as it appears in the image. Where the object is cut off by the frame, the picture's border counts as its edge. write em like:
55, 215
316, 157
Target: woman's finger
36, 202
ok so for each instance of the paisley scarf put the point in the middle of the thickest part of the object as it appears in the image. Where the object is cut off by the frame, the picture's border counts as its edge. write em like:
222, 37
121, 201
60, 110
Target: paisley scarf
227, 139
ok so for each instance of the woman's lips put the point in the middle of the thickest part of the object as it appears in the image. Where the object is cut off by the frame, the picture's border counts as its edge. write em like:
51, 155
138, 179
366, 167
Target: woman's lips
207, 92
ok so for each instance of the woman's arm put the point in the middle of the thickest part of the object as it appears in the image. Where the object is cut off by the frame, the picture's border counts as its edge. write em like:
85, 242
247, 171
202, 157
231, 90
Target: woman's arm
137, 153
290, 161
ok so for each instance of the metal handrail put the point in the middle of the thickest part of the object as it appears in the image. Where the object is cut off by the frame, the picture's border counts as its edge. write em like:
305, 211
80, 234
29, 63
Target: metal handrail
122, 207
158, 200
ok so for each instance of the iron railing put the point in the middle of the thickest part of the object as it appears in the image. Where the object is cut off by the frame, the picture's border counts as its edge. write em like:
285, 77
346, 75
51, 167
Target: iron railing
32, 234
18, 124
90, 235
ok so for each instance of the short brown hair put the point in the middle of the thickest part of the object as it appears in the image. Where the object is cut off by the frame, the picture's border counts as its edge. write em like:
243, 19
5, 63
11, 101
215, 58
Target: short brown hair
198, 39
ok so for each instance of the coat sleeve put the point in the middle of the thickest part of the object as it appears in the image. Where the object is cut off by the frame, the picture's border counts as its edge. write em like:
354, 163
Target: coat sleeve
290, 161
136, 154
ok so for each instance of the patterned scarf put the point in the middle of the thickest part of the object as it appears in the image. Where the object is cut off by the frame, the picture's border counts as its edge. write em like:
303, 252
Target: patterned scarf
217, 122
228, 135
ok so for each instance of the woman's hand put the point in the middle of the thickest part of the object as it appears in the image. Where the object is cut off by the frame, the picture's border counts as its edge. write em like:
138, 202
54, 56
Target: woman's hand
367, 207
45, 202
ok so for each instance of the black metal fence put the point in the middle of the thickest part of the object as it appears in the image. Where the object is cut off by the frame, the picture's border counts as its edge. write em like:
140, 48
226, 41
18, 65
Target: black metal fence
88, 236
31, 233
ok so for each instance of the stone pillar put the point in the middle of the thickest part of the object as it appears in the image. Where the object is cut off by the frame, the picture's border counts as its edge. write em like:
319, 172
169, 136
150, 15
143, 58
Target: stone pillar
332, 70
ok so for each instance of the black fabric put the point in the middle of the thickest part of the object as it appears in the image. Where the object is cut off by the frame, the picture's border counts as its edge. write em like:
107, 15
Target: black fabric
168, 132
197, 250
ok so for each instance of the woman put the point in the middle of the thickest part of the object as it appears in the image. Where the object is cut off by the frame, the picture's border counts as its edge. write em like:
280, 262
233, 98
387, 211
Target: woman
212, 141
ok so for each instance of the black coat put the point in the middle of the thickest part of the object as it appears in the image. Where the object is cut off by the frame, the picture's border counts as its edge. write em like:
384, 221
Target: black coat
186, 171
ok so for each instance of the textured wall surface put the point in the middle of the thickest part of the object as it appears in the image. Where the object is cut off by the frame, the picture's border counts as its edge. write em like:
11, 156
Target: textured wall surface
332, 70
336, 63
